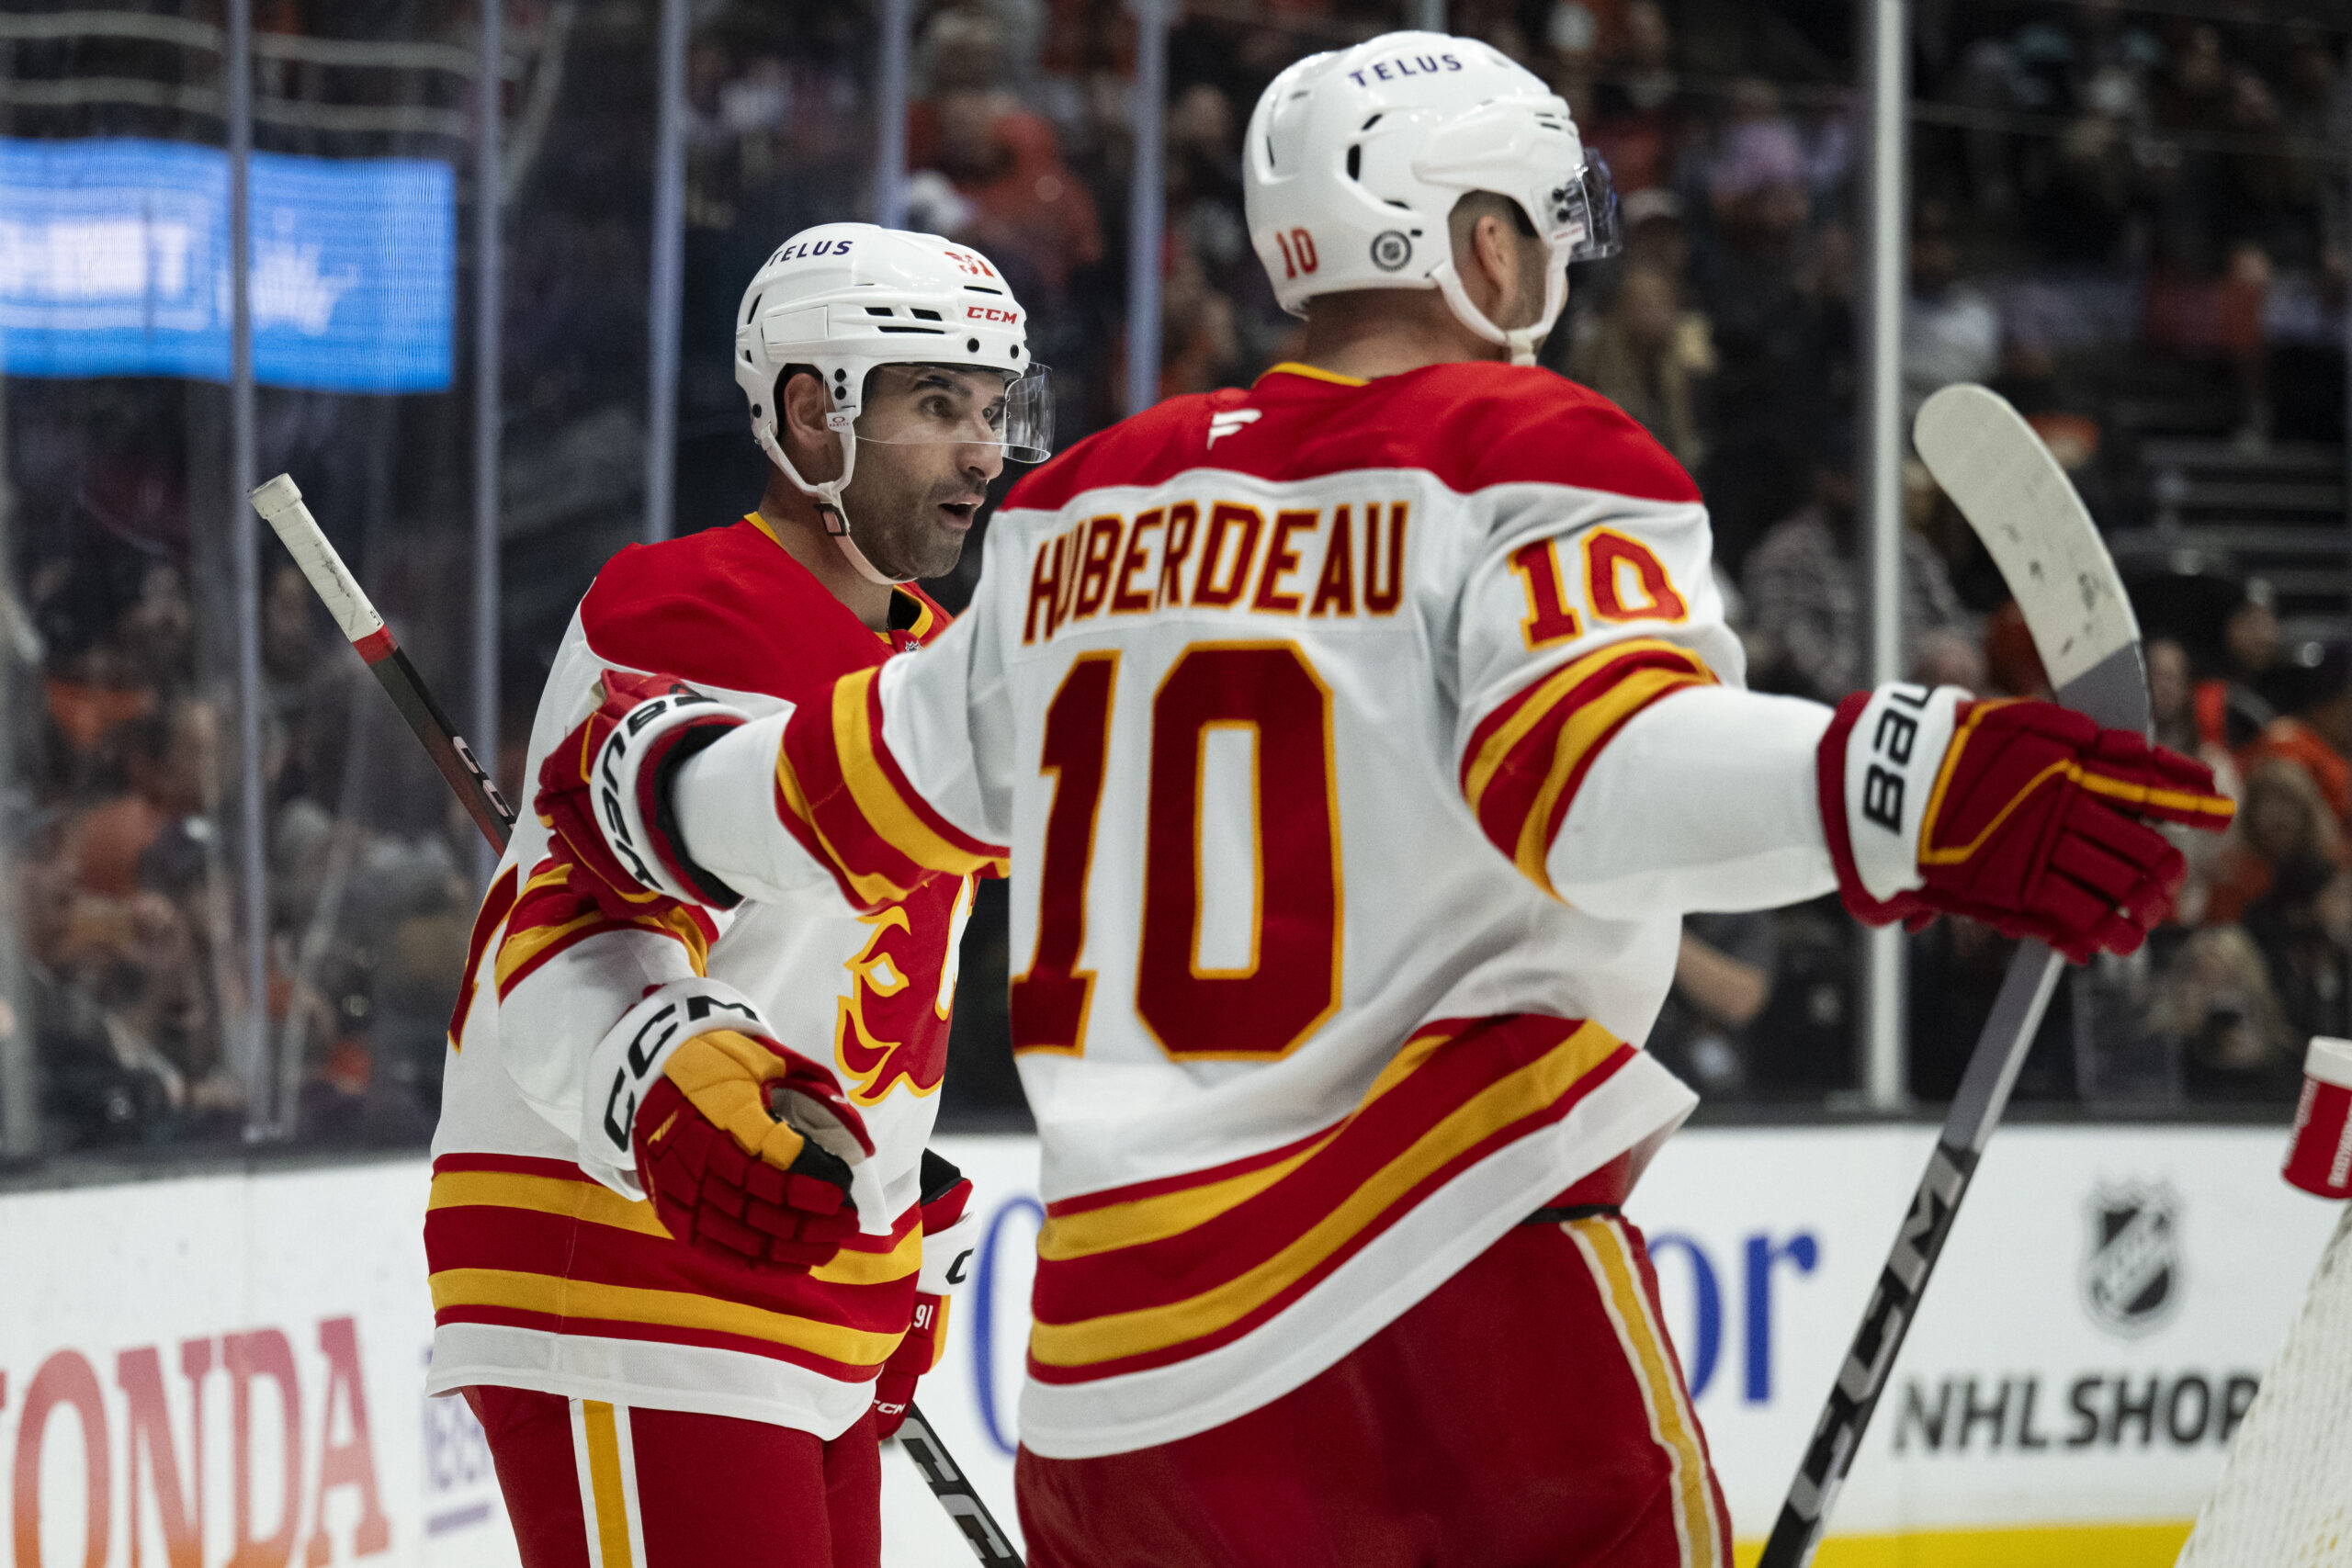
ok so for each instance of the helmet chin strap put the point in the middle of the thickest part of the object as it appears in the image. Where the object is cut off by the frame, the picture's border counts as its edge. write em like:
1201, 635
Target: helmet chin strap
1522, 342
828, 496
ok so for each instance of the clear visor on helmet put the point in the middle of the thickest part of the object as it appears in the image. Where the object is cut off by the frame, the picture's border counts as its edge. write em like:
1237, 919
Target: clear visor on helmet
962, 404
1582, 211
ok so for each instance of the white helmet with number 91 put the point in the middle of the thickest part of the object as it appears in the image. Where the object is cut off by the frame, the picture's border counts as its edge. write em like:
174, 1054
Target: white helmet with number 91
843, 299
1355, 159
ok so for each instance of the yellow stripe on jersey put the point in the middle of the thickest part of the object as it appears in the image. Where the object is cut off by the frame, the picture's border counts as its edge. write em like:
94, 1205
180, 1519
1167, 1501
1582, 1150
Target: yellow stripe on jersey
1508, 1100
879, 800
1156, 1218
1672, 1426
670, 1309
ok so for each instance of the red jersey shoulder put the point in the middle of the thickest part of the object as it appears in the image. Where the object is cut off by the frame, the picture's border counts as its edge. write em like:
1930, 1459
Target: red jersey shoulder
1143, 448
726, 607
1491, 424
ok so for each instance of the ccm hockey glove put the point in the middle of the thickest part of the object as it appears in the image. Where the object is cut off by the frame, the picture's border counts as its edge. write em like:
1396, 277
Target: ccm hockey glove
727, 1176
948, 1233
2025, 816
601, 795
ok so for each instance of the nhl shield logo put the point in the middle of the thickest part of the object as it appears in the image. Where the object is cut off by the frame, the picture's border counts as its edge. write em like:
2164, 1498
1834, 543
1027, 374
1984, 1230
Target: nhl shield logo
2132, 1272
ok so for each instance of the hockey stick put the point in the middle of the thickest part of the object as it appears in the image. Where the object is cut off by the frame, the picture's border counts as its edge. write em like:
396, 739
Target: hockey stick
280, 505
2019, 501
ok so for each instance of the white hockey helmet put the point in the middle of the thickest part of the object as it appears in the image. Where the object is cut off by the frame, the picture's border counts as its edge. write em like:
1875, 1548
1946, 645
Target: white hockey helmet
1356, 157
845, 297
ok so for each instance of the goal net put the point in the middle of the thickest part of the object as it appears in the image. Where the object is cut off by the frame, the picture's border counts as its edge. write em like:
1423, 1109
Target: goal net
2285, 1500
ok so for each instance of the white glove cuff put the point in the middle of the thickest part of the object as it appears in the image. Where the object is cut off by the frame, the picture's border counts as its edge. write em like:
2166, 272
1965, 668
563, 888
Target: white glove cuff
631, 1056
947, 1256
1893, 757
620, 793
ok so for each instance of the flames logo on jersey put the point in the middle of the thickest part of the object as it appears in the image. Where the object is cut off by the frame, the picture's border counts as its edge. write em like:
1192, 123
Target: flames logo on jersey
892, 1029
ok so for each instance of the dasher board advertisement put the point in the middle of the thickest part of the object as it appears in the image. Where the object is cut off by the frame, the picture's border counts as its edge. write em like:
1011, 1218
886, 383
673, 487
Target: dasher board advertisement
232, 1366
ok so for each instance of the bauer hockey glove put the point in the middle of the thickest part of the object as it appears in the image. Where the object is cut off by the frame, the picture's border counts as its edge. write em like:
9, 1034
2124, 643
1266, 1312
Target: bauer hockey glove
601, 793
947, 1233
731, 1179
2023, 814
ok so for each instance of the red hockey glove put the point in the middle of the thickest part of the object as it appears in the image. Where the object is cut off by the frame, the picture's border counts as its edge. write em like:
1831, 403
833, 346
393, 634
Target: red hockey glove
728, 1177
601, 793
947, 1233
2022, 815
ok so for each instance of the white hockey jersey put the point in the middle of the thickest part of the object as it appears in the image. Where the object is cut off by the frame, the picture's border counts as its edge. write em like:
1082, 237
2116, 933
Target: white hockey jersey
543, 1279
1357, 747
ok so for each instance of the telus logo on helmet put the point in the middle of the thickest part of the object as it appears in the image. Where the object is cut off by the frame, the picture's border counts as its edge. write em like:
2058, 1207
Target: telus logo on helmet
807, 251
1429, 65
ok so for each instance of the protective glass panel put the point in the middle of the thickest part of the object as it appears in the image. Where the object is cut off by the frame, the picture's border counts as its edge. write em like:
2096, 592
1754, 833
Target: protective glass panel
911, 404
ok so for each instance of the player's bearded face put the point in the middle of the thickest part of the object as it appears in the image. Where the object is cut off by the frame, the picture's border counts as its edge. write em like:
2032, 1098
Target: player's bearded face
929, 443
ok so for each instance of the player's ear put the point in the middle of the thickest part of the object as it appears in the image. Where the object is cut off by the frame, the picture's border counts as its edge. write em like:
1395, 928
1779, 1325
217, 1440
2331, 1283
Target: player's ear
801, 407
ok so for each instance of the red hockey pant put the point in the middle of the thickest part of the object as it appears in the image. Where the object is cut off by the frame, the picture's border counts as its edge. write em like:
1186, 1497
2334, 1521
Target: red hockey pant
595, 1485
1529, 1413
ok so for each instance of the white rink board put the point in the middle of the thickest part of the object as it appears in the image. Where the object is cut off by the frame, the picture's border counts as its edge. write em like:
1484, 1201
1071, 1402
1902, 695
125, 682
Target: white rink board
319, 1260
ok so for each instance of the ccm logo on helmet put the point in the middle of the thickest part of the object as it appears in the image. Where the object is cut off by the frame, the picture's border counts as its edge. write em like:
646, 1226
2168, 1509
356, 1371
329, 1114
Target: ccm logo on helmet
1419, 65
991, 313
817, 248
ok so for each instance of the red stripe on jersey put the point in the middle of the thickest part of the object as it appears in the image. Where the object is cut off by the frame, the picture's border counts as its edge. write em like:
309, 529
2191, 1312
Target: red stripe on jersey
535, 1243
1527, 759
1132, 1280
496, 905
1472, 426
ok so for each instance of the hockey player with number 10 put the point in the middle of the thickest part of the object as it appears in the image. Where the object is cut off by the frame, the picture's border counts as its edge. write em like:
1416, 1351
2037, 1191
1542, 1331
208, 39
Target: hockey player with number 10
1359, 740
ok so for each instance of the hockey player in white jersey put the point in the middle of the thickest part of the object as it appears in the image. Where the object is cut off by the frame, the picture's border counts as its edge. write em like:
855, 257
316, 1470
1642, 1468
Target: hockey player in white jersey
1359, 740
684, 1320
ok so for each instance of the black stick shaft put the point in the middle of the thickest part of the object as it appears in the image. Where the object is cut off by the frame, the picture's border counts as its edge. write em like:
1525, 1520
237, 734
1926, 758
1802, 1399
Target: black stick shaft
1975, 1110
955, 1494
447, 748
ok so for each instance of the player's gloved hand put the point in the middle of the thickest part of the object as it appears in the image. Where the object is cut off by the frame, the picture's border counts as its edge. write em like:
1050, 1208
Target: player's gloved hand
2023, 814
601, 793
947, 1234
729, 1177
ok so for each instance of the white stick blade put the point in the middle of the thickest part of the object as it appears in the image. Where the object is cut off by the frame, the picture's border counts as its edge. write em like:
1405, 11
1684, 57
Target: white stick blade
2019, 502
280, 505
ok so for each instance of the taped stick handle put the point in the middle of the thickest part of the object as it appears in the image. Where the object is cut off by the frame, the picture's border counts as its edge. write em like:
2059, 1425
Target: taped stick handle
280, 505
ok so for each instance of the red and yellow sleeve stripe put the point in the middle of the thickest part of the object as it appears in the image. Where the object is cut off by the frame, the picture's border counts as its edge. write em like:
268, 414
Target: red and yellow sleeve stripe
1527, 759
549, 919
842, 796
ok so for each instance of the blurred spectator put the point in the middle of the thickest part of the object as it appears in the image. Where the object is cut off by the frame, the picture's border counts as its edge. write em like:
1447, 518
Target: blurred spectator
1648, 356
1806, 607
1027, 208
2315, 730
2303, 923
1640, 119
2282, 817
2216, 998
2171, 701
1950, 330
1722, 982
1773, 291
2233, 705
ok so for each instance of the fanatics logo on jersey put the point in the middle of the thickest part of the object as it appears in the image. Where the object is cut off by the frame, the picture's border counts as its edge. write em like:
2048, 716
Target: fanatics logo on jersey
1228, 422
2132, 1273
